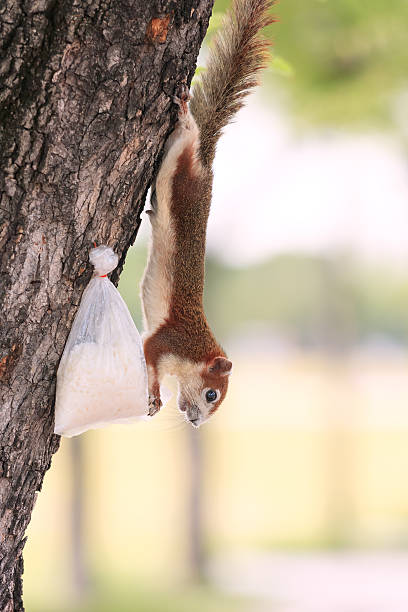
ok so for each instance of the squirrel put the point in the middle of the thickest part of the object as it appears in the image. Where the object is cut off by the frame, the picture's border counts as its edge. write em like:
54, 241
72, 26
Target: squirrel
178, 340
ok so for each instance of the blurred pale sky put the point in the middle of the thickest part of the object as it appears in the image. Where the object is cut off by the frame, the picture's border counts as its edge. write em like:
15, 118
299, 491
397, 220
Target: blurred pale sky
279, 190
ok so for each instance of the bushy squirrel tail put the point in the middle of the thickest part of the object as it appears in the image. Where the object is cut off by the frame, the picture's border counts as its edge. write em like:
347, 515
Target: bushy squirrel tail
238, 53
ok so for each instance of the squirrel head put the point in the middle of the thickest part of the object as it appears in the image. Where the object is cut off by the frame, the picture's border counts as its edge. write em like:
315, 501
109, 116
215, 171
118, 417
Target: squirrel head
203, 388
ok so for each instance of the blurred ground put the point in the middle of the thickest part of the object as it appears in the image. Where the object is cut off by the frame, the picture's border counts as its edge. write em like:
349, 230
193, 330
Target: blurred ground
318, 582
302, 455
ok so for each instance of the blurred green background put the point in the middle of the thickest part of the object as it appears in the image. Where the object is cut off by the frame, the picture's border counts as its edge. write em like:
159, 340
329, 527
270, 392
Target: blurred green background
309, 453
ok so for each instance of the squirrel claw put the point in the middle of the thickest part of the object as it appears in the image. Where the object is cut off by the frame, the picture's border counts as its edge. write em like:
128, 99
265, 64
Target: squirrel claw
154, 405
182, 97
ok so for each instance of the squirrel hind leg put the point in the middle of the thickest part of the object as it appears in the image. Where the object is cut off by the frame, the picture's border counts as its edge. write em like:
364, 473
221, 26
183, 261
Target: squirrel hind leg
185, 132
181, 98
185, 118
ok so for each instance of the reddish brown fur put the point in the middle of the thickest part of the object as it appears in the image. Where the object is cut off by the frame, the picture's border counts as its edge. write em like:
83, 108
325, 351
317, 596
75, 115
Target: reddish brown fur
186, 332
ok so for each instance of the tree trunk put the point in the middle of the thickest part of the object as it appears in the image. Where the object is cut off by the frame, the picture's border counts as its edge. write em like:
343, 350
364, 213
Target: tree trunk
85, 107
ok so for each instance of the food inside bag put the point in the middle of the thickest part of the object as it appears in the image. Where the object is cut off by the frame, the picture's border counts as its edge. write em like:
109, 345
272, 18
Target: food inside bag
102, 376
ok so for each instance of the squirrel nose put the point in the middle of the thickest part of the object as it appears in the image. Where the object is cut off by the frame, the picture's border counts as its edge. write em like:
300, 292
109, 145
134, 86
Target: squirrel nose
193, 414
195, 422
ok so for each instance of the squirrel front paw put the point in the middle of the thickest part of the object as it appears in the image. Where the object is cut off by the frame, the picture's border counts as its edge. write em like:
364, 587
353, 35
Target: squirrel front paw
155, 404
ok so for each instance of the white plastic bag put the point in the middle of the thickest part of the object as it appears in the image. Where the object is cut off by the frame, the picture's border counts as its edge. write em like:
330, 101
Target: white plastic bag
102, 376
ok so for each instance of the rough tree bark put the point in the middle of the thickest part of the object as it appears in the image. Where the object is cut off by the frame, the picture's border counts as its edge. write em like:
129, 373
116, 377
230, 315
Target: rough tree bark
85, 107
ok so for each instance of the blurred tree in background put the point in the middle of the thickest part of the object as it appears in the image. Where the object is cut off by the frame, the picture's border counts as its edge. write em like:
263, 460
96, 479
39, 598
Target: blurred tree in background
345, 60
349, 57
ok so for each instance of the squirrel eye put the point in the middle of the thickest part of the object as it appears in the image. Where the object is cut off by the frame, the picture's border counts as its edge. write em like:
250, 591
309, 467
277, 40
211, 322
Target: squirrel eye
211, 395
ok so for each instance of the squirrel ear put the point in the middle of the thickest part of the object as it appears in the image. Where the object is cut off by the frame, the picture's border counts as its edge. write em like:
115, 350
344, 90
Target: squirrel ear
221, 366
